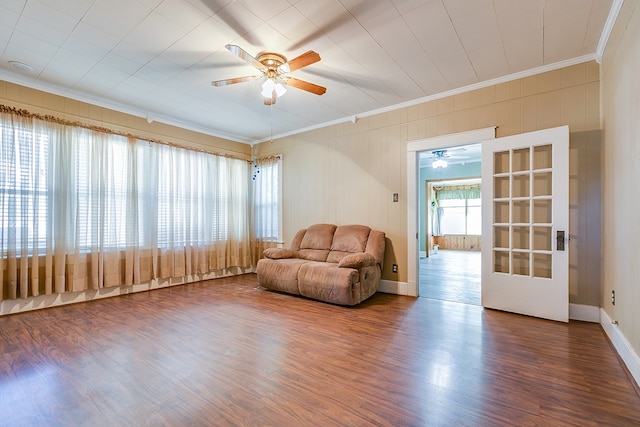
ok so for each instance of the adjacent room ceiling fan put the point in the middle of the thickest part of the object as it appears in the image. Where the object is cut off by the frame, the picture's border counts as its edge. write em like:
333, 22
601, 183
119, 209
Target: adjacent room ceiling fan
440, 157
274, 68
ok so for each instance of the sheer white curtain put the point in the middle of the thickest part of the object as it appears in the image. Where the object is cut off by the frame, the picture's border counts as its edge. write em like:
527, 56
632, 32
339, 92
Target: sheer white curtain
267, 205
203, 202
23, 203
86, 209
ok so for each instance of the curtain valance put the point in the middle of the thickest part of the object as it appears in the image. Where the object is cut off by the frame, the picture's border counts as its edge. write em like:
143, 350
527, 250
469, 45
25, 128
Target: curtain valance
458, 192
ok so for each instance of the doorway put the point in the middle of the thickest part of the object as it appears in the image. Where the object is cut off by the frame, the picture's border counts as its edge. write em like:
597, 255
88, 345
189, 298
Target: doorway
524, 228
451, 224
416, 194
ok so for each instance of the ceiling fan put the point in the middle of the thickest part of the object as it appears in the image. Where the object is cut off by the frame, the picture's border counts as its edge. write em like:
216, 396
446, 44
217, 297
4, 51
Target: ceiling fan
440, 157
274, 68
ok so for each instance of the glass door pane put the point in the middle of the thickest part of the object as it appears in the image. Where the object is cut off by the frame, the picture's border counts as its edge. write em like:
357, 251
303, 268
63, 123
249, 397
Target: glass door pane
522, 208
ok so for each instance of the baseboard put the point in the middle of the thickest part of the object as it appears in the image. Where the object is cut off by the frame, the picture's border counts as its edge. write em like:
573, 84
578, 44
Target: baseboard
397, 288
584, 313
622, 346
22, 305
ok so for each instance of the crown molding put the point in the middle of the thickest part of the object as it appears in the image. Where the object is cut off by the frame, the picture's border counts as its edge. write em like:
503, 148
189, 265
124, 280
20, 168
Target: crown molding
608, 28
468, 88
101, 102
116, 106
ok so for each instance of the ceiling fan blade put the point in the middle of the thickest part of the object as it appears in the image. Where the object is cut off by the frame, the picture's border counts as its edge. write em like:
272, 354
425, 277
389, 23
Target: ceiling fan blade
245, 56
226, 82
298, 62
304, 85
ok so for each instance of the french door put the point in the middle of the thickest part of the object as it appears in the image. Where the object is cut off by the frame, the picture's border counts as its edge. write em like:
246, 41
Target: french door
525, 206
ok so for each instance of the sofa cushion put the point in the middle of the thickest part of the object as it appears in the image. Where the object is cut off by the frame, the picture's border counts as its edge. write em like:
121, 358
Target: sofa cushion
316, 243
313, 254
297, 239
318, 236
280, 274
348, 239
326, 282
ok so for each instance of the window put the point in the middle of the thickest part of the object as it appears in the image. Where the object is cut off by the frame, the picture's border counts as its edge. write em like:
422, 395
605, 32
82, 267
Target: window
97, 190
101, 209
102, 192
461, 216
452, 218
23, 188
459, 210
267, 201
474, 217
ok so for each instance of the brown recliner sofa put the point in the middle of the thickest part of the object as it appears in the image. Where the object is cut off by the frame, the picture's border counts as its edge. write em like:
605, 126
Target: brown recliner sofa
336, 264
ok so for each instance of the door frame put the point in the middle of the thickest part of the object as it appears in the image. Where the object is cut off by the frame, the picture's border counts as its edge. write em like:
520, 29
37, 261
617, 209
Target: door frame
413, 217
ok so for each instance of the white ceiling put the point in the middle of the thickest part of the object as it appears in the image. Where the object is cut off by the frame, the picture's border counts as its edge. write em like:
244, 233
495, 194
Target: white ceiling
460, 155
156, 58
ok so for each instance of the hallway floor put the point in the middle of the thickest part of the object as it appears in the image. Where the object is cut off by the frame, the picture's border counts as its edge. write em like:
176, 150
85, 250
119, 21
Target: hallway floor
451, 275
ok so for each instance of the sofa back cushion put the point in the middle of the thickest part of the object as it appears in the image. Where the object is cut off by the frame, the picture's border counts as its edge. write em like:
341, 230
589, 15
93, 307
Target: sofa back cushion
316, 243
348, 239
328, 243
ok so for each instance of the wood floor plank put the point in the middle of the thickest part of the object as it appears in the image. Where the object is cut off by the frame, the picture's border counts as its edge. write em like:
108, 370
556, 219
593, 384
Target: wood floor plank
229, 353
451, 275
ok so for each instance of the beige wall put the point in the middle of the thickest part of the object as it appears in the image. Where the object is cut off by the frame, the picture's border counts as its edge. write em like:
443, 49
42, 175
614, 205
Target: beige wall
621, 204
39, 102
585, 217
347, 173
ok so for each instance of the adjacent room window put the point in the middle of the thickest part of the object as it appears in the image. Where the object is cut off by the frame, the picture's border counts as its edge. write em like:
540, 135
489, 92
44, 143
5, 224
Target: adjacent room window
461, 216
458, 210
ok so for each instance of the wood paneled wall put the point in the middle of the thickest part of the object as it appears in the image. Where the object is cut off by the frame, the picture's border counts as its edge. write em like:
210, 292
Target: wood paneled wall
621, 176
348, 172
466, 243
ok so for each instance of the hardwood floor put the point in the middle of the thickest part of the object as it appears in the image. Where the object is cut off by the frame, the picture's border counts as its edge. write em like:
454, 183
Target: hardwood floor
451, 275
228, 353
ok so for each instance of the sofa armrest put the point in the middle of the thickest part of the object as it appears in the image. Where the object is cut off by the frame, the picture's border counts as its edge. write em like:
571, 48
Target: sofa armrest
357, 260
279, 253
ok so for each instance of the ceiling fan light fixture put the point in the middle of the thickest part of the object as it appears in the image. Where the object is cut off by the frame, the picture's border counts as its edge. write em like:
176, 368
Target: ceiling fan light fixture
439, 163
267, 88
280, 89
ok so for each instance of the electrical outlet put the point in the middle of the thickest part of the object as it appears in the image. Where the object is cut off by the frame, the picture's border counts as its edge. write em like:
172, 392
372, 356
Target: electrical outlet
394, 268
613, 297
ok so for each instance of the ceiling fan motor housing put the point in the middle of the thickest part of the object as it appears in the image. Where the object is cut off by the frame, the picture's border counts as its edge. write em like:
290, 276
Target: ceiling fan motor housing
271, 61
